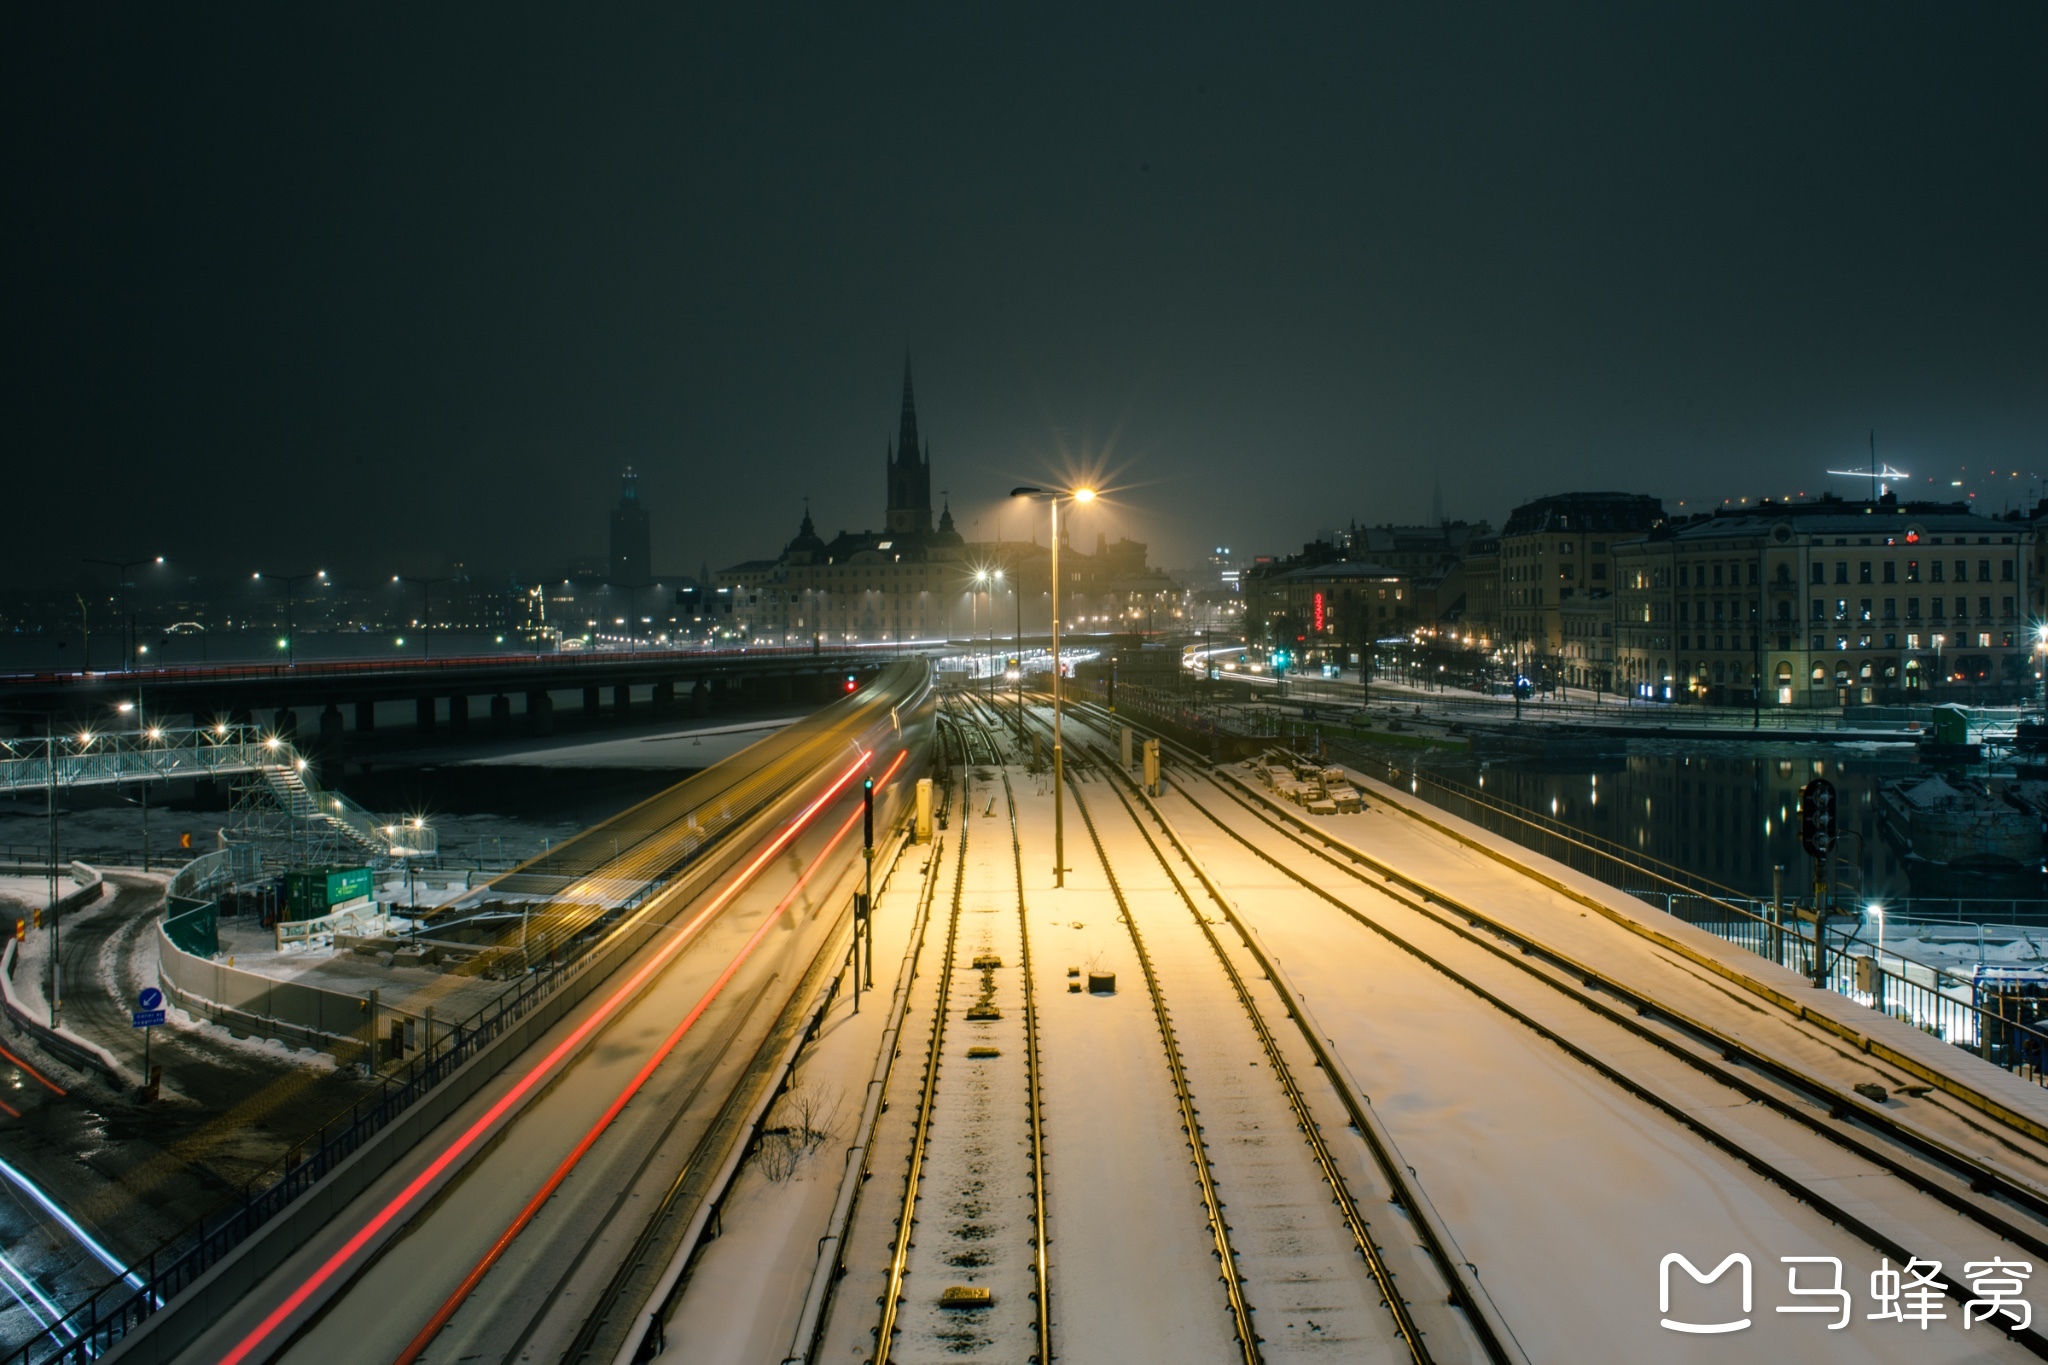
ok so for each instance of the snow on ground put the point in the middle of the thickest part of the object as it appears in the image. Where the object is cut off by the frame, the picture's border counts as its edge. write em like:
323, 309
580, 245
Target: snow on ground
1634, 960
747, 1289
1311, 1294
245, 945
1133, 1272
688, 748
1563, 1190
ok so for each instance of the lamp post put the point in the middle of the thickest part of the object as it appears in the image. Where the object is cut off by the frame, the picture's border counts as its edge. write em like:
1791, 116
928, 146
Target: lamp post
121, 568
980, 582
426, 587
291, 634
1059, 804
995, 578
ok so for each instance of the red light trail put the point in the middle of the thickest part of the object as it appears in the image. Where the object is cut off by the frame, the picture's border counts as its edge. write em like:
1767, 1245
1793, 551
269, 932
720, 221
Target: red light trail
547, 1191
476, 1131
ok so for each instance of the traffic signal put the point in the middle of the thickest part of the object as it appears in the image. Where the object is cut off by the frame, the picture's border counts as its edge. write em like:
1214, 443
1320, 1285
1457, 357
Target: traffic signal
849, 682
1817, 818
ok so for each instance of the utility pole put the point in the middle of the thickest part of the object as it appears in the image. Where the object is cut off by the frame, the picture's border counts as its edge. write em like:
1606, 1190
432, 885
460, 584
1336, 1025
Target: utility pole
866, 928
56, 989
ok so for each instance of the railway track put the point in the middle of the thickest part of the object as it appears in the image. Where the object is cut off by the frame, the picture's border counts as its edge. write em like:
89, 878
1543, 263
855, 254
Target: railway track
980, 1275
1480, 1333
1937, 1186
1295, 1284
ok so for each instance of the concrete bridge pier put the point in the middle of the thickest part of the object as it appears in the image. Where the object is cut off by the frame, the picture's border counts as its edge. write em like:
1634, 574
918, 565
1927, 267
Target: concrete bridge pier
664, 697
331, 740
593, 705
366, 717
540, 712
622, 701
285, 725
781, 688
501, 714
700, 698
423, 715
458, 713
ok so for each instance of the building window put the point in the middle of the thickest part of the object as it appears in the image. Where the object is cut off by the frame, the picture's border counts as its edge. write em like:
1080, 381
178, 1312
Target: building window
1934, 567
1891, 608
1841, 571
1891, 571
1863, 572
1820, 572
1912, 571
1983, 571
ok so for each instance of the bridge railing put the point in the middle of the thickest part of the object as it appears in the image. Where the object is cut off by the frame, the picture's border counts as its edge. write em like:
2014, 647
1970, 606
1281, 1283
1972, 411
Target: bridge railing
572, 662
87, 757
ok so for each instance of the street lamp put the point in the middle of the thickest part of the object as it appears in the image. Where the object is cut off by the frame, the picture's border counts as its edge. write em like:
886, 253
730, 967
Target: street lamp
291, 634
426, 587
995, 579
121, 568
1059, 804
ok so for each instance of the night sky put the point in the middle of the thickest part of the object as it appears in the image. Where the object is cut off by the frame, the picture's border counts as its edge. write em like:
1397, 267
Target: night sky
381, 289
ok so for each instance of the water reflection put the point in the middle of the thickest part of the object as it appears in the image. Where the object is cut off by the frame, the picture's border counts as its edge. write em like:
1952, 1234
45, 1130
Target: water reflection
1724, 812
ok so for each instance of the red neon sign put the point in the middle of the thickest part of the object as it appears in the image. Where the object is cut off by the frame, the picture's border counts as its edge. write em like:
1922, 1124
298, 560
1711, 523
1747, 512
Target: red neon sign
1319, 612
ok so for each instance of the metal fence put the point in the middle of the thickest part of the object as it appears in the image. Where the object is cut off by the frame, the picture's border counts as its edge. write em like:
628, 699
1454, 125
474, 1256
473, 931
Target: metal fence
1999, 1024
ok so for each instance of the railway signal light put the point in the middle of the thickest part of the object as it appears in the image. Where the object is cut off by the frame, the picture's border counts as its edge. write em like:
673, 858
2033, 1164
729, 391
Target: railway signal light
1817, 825
850, 684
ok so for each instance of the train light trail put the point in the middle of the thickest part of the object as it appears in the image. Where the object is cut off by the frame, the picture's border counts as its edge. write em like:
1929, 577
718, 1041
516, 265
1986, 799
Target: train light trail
471, 1137
454, 1302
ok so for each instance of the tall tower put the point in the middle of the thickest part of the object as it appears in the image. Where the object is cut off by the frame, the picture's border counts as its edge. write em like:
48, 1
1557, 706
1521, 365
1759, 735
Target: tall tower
910, 472
632, 557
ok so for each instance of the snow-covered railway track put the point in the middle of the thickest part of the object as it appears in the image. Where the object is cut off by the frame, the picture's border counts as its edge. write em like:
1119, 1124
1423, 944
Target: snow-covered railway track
1488, 959
979, 1275
2009, 1204
1300, 1222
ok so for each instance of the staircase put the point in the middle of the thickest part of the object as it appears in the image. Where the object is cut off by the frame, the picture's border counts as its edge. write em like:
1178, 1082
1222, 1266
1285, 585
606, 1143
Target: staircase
304, 799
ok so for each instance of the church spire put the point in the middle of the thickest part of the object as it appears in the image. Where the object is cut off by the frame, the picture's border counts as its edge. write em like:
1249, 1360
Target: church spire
907, 444
910, 471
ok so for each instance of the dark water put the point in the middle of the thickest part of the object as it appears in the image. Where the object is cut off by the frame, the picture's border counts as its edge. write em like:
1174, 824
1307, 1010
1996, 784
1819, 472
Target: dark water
1729, 813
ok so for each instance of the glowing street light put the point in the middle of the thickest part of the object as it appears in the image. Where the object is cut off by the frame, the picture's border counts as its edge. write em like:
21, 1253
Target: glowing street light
1059, 805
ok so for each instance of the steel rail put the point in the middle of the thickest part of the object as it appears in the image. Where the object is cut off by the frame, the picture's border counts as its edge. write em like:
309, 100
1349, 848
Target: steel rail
818, 1300
1297, 1101
1190, 1117
1032, 1082
1682, 1113
1980, 1176
1464, 1291
906, 1221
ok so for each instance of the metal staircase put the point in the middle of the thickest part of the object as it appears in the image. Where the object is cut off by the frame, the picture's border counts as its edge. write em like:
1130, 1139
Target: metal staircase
305, 802
277, 798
